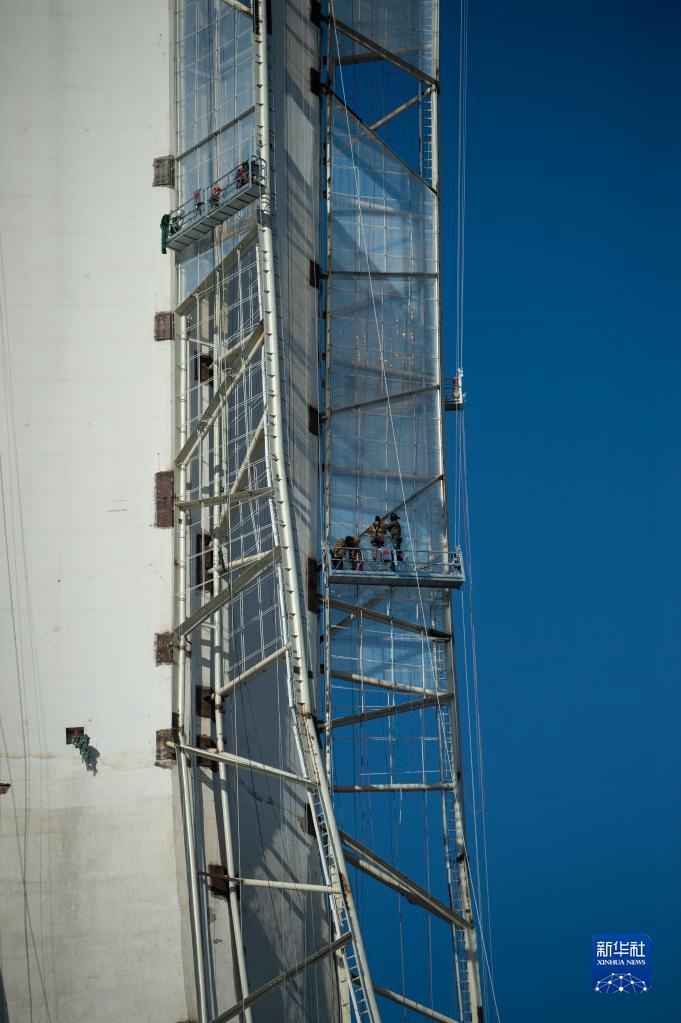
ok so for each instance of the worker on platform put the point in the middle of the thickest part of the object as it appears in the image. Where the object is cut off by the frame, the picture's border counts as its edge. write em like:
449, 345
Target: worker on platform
377, 531
395, 530
338, 555
165, 225
241, 175
355, 554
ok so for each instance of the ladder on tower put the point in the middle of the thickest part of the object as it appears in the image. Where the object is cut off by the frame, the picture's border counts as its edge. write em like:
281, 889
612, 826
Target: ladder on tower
452, 828
340, 914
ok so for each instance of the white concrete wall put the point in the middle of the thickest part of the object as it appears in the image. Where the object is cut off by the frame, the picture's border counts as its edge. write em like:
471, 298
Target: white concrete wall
89, 908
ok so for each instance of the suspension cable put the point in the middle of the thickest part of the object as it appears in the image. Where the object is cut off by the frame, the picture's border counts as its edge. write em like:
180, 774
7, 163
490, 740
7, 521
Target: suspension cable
351, 148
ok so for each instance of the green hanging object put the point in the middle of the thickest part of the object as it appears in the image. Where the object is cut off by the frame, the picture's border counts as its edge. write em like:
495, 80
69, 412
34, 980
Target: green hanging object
165, 225
82, 744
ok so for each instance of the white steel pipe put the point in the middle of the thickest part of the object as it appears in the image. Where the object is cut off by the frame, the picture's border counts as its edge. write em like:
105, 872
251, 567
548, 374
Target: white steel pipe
257, 669
231, 499
287, 539
262, 882
386, 683
381, 712
190, 852
409, 1003
179, 667
251, 765
438, 786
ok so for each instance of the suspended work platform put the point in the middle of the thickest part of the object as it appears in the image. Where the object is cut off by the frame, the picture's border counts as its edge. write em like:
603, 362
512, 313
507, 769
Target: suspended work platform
454, 395
210, 207
385, 566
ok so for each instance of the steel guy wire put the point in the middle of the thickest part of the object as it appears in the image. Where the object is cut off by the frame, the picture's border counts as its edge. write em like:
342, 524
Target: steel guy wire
379, 338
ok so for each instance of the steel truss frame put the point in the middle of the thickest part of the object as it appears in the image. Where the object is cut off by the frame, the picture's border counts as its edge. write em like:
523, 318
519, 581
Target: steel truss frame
314, 777
260, 352
362, 612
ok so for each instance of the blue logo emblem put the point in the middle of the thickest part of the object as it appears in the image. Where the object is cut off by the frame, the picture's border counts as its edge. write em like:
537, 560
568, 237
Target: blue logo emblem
620, 963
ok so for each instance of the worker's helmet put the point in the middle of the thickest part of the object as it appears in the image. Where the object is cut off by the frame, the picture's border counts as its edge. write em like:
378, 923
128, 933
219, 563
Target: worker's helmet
349, 540
377, 519
393, 516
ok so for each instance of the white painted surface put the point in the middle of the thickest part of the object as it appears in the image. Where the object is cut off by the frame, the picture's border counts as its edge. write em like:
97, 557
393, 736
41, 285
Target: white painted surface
89, 906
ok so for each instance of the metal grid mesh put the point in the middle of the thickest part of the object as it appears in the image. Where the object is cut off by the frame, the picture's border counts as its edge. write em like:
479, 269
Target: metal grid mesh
405, 27
390, 721
382, 214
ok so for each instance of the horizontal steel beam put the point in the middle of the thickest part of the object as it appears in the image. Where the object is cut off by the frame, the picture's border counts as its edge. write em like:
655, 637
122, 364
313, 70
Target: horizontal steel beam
358, 610
337, 626
375, 866
231, 499
233, 566
263, 882
437, 786
356, 58
264, 989
383, 712
399, 396
379, 275
386, 683
409, 1003
257, 669
377, 474
382, 52
250, 765
375, 369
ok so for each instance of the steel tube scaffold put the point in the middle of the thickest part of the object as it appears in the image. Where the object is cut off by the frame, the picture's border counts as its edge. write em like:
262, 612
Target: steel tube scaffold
315, 715
388, 626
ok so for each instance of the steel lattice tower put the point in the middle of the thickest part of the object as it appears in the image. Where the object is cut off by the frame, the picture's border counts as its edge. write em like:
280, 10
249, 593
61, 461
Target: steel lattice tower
389, 668
292, 805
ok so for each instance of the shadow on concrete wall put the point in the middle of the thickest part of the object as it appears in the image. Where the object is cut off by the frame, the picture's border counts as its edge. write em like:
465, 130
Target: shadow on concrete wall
94, 757
4, 1012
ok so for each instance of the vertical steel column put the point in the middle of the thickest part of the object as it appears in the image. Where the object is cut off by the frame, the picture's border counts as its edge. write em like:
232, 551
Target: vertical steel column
328, 369
302, 714
179, 671
465, 943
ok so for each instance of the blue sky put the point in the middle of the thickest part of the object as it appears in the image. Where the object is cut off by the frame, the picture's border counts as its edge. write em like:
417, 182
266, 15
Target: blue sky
573, 369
